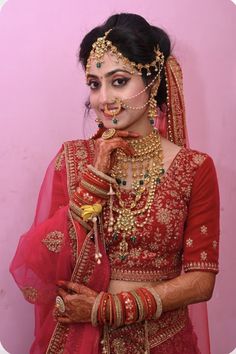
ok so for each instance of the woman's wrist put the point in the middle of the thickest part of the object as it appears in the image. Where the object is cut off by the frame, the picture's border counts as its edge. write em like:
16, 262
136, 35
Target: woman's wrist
126, 307
101, 175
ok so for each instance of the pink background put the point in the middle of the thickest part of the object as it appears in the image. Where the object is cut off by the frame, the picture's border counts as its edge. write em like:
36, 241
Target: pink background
41, 104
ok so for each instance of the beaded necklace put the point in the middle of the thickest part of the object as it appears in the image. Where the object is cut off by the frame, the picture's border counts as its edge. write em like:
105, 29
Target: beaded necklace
146, 167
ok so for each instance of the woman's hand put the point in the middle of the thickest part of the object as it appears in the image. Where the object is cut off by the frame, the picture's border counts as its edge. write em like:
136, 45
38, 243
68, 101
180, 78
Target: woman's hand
78, 301
104, 149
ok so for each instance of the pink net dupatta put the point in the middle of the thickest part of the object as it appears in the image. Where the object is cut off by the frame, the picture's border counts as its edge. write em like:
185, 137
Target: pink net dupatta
57, 248
172, 125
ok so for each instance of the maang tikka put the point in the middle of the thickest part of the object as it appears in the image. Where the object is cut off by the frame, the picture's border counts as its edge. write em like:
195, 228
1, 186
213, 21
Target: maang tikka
103, 45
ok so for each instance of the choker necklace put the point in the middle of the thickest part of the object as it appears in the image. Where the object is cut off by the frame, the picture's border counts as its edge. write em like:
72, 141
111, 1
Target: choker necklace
146, 167
146, 149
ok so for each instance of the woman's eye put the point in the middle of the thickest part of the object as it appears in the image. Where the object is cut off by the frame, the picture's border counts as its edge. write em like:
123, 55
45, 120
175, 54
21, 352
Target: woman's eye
93, 85
120, 81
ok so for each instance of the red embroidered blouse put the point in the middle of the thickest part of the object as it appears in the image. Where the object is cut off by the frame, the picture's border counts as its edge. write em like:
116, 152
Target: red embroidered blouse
183, 228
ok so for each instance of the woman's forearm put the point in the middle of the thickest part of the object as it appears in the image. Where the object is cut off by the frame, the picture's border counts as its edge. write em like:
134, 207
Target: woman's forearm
188, 288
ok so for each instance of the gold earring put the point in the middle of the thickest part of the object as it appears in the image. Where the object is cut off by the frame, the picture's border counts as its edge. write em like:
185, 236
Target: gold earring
99, 123
152, 111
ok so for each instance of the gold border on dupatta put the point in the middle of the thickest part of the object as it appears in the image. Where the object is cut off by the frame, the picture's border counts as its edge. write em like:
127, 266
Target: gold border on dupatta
74, 151
176, 108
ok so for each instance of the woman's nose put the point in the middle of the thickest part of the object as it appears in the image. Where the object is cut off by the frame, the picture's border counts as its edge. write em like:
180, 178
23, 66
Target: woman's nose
104, 95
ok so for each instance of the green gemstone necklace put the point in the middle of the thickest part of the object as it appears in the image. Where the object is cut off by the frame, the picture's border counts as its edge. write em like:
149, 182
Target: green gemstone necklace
146, 166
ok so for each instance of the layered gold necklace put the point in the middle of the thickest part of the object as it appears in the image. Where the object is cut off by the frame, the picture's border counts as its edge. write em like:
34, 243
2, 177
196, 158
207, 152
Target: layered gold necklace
146, 169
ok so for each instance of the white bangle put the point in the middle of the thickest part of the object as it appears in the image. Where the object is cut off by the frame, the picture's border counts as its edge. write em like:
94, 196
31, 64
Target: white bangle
94, 313
158, 302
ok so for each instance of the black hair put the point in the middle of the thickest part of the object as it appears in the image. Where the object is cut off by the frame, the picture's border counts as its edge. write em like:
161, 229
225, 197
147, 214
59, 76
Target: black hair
136, 39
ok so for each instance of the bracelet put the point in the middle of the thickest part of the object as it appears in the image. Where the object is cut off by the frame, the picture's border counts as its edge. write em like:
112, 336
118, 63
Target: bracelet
82, 196
80, 220
94, 313
126, 307
93, 189
95, 180
102, 175
158, 303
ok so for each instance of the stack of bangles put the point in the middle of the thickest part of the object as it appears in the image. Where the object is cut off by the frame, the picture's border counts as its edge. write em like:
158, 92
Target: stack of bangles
92, 190
126, 307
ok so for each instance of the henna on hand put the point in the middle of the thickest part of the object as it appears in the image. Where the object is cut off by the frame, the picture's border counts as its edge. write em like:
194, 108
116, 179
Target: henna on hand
104, 149
78, 300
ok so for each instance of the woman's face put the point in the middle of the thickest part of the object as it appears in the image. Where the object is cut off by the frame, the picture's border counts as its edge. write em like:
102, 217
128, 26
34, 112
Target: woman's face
114, 81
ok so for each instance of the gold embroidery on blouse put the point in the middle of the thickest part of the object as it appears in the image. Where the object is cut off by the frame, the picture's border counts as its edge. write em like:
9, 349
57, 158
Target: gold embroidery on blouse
163, 216
156, 252
81, 153
30, 294
214, 244
199, 159
53, 241
59, 160
189, 242
201, 265
203, 256
203, 229
78, 154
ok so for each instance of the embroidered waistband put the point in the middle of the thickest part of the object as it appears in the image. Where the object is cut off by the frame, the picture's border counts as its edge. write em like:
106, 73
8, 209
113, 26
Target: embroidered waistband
132, 338
144, 275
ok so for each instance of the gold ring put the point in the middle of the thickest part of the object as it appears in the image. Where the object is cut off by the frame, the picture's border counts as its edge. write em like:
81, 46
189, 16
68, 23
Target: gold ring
108, 134
60, 305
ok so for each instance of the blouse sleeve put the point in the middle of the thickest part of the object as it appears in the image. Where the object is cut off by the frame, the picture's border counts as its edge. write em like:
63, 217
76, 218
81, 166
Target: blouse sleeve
201, 236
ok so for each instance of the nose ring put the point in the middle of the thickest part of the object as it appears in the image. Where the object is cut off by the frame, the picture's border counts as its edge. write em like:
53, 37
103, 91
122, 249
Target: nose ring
113, 112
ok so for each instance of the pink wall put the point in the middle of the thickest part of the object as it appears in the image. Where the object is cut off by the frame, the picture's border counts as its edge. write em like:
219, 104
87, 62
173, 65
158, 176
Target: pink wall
41, 104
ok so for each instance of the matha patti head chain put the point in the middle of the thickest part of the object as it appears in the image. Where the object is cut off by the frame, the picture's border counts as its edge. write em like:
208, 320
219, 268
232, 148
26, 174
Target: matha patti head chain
103, 46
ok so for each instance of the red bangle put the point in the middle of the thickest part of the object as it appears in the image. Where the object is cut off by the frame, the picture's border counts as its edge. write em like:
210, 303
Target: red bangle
90, 177
149, 301
102, 315
88, 197
129, 307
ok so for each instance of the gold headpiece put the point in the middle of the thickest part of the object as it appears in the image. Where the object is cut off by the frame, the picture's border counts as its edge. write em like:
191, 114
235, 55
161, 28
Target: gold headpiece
102, 46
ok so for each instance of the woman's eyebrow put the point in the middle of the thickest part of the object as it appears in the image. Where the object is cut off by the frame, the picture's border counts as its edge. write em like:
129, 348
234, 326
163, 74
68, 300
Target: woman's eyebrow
110, 73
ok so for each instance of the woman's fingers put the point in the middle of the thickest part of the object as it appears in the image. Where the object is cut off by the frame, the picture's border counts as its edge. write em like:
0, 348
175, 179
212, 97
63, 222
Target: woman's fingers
116, 143
75, 288
127, 134
119, 143
69, 286
65, 320
62, 293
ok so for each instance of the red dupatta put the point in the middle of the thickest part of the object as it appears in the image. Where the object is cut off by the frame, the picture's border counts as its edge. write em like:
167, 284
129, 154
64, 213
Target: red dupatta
58, 247
171, 123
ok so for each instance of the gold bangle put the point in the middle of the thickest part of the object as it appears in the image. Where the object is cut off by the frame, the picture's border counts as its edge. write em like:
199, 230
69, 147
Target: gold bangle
119, 314
140, 306
74, 207
91, 188
101, 175
82, 222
